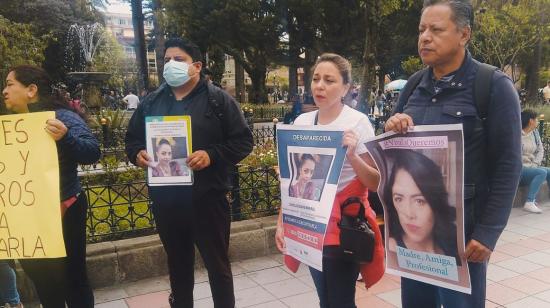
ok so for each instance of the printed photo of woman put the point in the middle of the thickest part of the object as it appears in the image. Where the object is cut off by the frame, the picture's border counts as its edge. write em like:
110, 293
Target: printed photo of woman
303, 186
419, 213
165, 165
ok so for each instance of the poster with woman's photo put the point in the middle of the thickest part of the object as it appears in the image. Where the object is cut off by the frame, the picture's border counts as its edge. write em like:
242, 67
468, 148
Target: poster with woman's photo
169, 144
310, 162
422, 191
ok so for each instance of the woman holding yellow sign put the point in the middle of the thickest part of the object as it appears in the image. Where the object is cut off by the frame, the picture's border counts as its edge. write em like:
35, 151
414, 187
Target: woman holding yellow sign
59, 281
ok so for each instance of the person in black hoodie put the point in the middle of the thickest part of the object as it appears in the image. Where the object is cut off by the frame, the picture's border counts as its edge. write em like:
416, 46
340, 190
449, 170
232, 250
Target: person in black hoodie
199, 214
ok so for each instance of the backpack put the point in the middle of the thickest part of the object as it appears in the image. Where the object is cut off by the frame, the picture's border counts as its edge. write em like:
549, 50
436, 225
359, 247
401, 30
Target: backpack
482, 87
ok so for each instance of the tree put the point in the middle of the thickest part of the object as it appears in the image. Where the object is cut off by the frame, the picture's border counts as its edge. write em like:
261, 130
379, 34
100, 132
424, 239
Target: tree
51, 17
411, 65
110, 58
158, 36
383, 44
504, 32
247, 30
19, 45
139, 44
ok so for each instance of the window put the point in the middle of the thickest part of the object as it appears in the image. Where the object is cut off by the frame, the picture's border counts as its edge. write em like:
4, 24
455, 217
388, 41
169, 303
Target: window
122, 21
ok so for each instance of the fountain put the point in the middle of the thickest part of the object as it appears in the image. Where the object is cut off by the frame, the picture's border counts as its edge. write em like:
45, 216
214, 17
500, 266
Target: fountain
86, 38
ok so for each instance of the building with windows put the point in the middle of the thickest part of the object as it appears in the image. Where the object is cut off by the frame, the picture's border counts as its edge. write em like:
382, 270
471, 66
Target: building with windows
118, 21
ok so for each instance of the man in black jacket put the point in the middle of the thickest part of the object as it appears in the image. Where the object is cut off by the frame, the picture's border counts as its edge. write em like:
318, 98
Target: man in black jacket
199, 214
446, 94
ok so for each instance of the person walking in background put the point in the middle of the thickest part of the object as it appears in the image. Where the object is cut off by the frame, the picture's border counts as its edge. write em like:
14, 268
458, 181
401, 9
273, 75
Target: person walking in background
199, 215
380, 101
59, 281
444, 94
131, 100
532, 153
8, 286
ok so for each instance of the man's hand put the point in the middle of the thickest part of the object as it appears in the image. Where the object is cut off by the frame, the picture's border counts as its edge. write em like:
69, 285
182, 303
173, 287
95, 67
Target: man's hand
143, 159
56, 129
198, 160
477, 252
399, 123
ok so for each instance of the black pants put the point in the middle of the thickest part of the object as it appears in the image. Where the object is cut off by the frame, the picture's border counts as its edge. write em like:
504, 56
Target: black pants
336, 283
64, 280
181, 224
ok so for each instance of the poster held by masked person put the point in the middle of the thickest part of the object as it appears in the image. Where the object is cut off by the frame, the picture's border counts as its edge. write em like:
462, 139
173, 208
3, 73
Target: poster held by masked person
422, 191
310, 162
169, 143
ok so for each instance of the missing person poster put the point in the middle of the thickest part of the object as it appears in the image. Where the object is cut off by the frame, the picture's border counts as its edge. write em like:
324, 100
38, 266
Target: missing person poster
310, 162
422, 191
30, 212
169, 144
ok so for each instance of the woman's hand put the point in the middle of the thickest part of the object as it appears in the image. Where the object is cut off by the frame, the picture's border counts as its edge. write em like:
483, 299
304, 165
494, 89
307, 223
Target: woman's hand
280, 239
350, 140
399, 123
56, 129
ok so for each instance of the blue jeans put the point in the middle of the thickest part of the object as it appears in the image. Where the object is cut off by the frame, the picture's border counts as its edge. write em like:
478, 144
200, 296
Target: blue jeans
534, 177
415, 294
8, 289
336, 283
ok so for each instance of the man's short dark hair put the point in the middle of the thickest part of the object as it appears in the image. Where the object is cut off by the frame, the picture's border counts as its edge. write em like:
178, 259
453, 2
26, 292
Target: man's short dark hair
189, 47
463, 12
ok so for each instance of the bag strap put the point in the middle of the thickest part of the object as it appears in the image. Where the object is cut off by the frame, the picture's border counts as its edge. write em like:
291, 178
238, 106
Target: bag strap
482, 88
412, 83
355, 200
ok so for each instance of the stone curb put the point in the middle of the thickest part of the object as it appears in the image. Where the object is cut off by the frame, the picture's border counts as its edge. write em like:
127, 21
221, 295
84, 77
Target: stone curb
123, 261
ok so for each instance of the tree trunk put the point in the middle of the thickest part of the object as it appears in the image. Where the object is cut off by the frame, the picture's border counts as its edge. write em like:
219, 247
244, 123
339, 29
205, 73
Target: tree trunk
239, 82
258, 93
158, 29
369, 60
293, 67
139, 45
308, 65
533, 78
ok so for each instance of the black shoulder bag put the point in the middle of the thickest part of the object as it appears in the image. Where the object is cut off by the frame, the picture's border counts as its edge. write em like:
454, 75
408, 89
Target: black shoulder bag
356, 235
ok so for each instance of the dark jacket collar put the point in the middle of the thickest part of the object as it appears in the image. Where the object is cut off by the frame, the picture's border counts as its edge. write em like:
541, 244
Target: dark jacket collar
459, 79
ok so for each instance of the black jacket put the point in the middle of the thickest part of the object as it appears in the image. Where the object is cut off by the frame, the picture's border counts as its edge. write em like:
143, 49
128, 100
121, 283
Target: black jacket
492, 148
222, 133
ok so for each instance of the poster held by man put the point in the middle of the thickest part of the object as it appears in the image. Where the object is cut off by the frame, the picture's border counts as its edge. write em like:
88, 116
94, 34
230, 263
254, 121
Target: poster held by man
422, 192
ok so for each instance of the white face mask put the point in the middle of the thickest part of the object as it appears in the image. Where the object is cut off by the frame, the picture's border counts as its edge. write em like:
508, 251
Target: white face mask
176, 73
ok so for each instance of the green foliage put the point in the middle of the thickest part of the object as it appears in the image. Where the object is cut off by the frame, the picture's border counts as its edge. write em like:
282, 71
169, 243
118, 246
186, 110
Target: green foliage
50, 17
110, 58
506, 32
115, 118
411, 65
19, 45
262, 156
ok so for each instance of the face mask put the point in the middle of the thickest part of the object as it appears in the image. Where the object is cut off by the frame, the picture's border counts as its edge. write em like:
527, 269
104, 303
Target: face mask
176, 73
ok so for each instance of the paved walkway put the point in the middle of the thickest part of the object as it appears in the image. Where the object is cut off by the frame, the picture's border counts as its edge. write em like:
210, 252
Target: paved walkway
519, 276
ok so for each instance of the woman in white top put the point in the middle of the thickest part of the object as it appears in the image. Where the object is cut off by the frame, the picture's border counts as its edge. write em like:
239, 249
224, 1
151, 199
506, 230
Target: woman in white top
330, 84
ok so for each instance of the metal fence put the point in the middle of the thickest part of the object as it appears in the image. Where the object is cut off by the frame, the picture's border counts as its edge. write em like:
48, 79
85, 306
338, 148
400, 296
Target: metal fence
121, 210
119, 199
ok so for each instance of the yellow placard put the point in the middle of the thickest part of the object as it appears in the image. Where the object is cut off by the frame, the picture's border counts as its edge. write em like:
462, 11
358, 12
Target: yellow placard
30, 215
